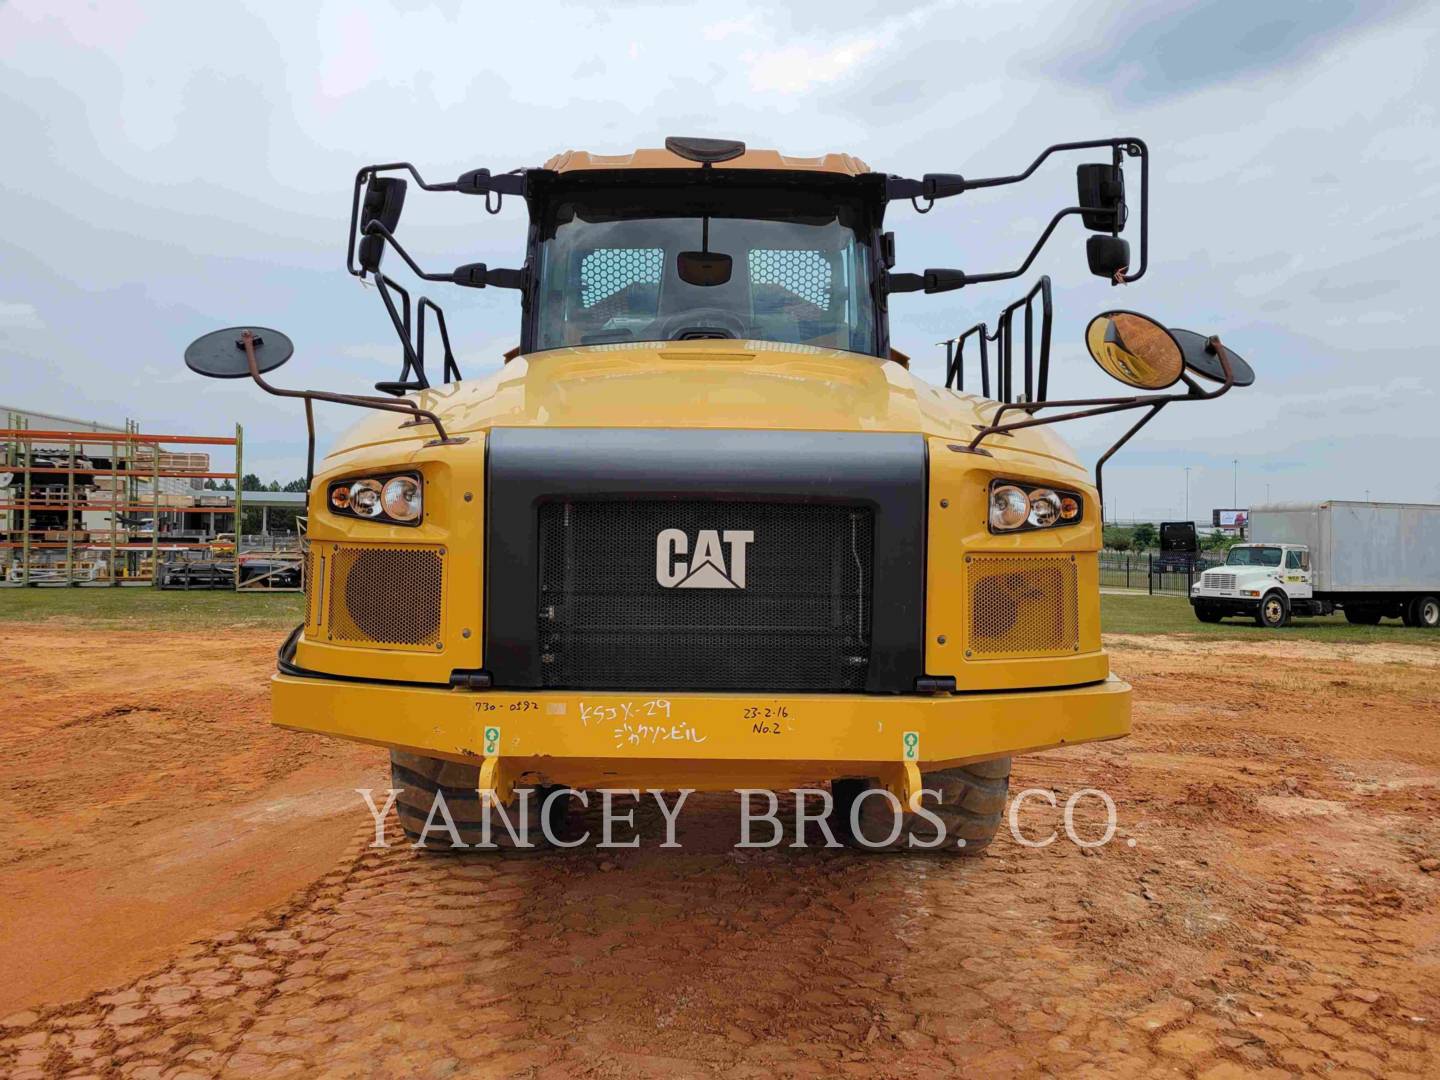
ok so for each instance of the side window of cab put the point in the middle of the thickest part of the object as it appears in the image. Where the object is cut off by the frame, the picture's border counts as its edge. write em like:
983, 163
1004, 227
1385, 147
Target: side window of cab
1297, 560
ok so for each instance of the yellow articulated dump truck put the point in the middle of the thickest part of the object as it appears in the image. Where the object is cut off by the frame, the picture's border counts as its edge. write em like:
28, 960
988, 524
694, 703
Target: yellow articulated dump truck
704, 529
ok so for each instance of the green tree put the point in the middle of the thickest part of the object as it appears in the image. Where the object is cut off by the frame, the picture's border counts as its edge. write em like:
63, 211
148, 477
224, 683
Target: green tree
1214, 541
1116, 538
1143, 536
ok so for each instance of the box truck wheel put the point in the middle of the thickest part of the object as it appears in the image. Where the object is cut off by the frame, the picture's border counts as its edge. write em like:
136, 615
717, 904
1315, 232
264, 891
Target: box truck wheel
1274, 610
1424, 612
1206, 613
1362, 616
971, 807
419, 780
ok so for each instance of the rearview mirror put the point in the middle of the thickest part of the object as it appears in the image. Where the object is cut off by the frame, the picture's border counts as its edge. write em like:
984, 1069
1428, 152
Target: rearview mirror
221, 354
384, 199
1102, 195
1107, 255
704, 268
1134, 349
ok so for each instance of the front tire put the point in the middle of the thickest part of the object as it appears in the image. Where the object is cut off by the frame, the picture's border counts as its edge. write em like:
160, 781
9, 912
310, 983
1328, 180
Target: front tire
971, 807
419, 779
1207, 614
1274, 610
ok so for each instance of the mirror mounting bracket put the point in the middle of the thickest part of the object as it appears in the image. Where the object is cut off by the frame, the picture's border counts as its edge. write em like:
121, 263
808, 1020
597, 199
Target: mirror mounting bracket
1088, 407
416, 414
1101, 182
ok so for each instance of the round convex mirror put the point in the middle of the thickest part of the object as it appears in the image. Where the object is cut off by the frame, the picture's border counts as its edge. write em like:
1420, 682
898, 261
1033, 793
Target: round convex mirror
1134, 349
221, 354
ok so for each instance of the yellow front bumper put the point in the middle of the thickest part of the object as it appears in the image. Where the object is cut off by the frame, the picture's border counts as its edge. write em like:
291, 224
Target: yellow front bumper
703, 741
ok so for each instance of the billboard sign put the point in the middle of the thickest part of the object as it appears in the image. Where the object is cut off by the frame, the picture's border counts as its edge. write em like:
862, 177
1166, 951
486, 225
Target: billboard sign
1230, 519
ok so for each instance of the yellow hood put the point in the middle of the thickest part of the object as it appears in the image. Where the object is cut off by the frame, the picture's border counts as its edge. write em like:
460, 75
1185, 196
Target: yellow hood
707, 384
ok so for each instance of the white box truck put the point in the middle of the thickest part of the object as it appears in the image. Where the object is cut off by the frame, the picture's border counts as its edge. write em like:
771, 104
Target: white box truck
1370, 560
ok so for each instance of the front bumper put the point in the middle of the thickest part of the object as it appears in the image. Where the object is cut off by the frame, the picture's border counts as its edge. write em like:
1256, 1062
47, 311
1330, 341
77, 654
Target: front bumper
703, 741
1217, 599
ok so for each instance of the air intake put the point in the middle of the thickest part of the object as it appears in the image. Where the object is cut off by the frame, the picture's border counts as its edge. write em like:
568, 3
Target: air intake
1022, 605
391, 597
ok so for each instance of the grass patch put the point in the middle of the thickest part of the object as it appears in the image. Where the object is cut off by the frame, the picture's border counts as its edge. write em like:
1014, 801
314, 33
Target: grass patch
153, 609
1144, 614
162, 609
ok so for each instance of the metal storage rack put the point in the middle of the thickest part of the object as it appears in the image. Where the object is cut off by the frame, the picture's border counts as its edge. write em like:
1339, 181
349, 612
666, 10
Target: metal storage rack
51, 474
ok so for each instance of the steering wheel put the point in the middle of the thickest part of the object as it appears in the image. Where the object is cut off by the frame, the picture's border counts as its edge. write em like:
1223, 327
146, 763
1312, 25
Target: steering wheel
704, 320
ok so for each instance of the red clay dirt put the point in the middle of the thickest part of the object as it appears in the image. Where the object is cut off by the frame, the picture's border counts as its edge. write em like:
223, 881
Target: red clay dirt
187, 893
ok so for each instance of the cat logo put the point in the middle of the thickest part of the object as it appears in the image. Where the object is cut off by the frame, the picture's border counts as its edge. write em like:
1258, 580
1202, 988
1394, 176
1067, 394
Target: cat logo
706, 568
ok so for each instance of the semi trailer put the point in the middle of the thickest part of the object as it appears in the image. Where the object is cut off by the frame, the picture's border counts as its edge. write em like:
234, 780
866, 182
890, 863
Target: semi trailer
1369, 560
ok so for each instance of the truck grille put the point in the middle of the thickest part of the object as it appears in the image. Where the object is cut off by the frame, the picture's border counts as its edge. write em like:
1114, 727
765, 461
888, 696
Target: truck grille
1224, 582
798, 618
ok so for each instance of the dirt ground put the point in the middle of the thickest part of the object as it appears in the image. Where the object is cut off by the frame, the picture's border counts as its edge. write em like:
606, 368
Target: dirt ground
184, 892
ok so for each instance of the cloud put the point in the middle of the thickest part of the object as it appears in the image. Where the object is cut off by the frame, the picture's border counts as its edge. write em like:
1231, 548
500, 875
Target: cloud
15, 315
1142, 53
1353, 292
798, 68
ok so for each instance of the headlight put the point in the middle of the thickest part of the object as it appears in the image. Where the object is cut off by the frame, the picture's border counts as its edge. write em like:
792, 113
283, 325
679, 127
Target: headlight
365, 498
1009, 507
387, 498
1044, 508
1018, 504
401, 498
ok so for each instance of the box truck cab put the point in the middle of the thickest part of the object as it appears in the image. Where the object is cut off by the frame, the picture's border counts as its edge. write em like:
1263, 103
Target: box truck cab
1368, 560
1269, 582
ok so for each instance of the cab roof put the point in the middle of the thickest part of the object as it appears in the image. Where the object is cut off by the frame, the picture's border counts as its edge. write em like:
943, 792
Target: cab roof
772, 160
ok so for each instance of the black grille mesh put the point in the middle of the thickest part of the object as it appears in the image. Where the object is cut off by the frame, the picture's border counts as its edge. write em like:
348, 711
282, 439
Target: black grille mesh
802, 621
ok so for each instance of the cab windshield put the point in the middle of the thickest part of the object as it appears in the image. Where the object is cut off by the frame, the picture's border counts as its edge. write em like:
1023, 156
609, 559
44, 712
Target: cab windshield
1253, 556
798, 269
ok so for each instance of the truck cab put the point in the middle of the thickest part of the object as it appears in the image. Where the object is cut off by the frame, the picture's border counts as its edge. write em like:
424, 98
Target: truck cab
1267, 582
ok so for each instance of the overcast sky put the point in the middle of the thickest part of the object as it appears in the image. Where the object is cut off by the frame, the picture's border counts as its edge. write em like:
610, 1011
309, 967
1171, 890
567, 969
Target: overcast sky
170, 169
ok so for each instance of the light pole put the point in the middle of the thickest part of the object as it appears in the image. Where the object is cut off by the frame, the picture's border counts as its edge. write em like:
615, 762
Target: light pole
1235, 482
1187, 492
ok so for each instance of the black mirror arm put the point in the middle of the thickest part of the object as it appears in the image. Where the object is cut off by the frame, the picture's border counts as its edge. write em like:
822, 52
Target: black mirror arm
1006, 275
1088, 407
470, 275
474, 182
935, 281
409, 408
943, 185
